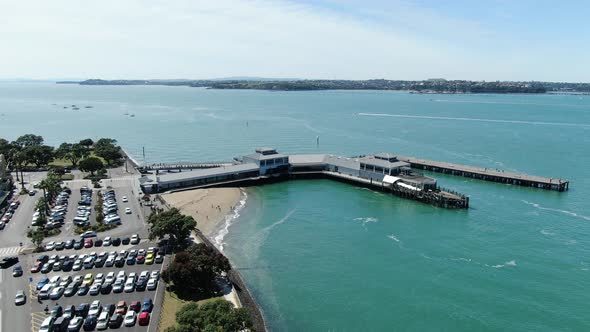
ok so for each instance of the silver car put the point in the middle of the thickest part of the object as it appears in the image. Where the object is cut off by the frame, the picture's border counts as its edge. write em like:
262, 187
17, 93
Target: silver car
20, 298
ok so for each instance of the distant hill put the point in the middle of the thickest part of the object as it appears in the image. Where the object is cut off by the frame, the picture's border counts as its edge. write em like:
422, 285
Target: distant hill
424, 86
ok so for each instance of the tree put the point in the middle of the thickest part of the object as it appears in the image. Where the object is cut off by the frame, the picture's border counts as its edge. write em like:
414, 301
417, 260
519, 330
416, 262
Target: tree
37, 237
86, 143
28, 140
107, 150
40, 155
91, 164
172, 224
196, 268
218, 315
51, 187
72, 152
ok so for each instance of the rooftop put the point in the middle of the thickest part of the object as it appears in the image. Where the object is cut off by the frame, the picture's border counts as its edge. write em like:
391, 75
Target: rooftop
202, 173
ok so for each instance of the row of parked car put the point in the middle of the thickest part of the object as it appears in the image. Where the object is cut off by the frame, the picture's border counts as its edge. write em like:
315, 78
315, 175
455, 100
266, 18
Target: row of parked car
9, 213
55, 263
110, 207
84, 209
97, 316
86, 241
57, 286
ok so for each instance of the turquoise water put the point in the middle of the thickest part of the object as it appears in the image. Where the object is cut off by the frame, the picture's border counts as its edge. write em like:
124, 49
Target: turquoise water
325, 256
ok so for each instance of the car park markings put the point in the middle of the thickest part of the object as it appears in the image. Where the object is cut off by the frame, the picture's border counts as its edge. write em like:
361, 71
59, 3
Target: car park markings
10, 251
37, 319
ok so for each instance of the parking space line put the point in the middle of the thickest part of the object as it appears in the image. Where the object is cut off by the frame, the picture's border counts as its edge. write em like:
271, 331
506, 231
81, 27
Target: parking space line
37, 319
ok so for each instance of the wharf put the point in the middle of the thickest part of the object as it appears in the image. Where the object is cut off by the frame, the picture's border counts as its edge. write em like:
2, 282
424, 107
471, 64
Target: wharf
488, 174
181, 166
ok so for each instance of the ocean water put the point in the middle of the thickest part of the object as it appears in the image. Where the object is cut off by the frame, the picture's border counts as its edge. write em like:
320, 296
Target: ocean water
326, 256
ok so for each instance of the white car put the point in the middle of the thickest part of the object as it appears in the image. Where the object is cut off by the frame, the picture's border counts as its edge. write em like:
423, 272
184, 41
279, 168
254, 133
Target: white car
152, 284
55, 280
155, 275
130, 317
110, 277
95, 308
47, 324
94, 289
99, 278
20, 298
77, 265
88, 234
56, 293
121, 274
50, 246
127, 210
144, 275
129, 285
135, 239
106, 242
110, 261
124, 199
103, 321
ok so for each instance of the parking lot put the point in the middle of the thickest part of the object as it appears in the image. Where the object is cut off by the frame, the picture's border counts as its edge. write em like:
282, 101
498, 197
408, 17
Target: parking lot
28, 317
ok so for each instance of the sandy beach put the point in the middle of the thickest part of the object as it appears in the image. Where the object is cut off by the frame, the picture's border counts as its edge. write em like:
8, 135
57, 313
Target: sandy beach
209, 207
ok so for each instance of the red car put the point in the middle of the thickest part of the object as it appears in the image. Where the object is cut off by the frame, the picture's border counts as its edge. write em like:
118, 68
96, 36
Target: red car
143, 319
135, 306
88, 243
37, 267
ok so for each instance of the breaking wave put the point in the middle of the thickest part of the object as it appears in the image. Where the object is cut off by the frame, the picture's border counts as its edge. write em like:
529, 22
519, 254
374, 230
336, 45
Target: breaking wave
570, 213
229, 219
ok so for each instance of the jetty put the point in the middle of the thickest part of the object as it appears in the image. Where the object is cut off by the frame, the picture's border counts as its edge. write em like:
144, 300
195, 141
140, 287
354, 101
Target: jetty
488, 174
383, 172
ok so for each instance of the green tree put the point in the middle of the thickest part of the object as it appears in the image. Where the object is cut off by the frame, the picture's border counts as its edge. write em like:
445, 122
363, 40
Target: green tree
40, 155
37, 237
72, 152
91, 164
196, 268
218, 315
28, 140
51, 187
172, 224
107, 150
86, 143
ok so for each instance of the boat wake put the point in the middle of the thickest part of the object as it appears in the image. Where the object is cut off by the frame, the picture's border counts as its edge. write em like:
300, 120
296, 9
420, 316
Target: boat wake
366, 220
282, 220
229, 219
509, 263
393, 237
568, 124
570, 213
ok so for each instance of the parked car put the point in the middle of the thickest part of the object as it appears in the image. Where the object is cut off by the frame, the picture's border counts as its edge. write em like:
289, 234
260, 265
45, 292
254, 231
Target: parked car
17, 271
82, 309
75, 324
47, 325
90, 323
88, 234
121, 307
130, 318
95, 308
115, 321
103, 321
144, 319
135, 306
135, 239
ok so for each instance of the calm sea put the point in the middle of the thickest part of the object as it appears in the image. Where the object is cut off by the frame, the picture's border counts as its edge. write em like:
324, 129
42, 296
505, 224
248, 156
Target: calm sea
325, 256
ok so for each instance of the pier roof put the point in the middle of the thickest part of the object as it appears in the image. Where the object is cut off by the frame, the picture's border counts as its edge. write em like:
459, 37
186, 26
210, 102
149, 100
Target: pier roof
307, 159
371, 160
260, 156
203, 173
352, 163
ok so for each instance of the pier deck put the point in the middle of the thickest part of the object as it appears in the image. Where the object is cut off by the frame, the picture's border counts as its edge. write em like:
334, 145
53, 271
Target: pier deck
488, 174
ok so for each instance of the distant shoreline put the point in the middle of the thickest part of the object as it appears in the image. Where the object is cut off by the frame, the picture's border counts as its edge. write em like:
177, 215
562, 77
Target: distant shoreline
432, 86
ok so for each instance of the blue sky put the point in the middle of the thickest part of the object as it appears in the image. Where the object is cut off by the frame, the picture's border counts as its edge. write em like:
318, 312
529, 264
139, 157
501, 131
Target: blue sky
334, 39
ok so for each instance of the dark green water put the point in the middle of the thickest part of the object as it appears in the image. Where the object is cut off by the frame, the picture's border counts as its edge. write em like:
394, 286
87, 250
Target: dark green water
325, 256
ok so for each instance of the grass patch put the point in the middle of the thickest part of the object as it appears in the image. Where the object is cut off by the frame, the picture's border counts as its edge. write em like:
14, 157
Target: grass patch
67, 177
172, 303
61, 162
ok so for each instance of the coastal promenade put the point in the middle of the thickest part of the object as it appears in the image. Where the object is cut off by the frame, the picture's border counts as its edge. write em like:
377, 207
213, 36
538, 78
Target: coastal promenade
488, 174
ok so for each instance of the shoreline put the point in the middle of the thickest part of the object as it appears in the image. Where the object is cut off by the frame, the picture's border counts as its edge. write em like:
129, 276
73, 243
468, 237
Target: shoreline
221, 207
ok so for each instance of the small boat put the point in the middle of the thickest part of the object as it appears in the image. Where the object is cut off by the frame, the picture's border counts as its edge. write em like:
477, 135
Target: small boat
132, 115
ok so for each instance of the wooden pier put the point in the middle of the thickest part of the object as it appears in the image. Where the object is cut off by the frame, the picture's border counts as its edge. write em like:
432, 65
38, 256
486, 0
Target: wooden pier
488, 174
181, 166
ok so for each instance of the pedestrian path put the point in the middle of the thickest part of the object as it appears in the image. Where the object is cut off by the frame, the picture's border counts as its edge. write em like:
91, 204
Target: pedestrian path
10, 251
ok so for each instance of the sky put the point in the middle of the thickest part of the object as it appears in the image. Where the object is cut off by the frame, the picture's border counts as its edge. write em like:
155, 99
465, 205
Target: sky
314, 39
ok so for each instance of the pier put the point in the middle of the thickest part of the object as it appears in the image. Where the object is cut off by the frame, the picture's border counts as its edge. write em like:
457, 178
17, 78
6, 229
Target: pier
382, 172
488, 174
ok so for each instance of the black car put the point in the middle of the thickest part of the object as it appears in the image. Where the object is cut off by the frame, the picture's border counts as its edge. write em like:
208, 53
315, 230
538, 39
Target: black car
60, 246
106, 288
78, 245
43, 258
110, 308
82, 310
126, 240
7, 262
17, 271
90, 323
57, 311
98, 243
67, 265
140, 285
100, 261
83, 290
116, 242
120, 262
69, 244
115, 321
71, 290
131, 260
